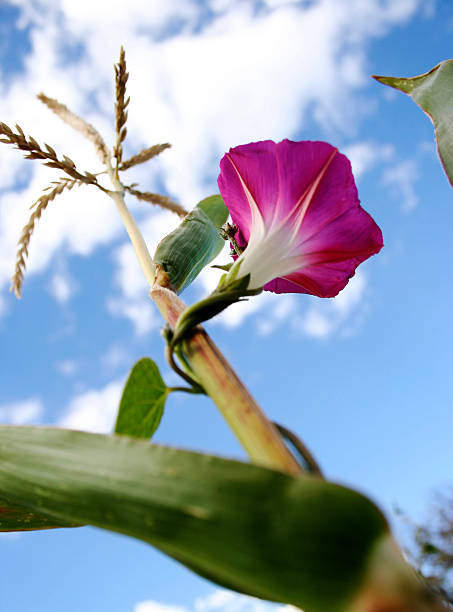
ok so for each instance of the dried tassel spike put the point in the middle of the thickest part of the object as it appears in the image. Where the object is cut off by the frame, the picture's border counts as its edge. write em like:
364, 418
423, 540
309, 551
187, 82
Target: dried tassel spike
69, 161
159, 200
79, 124
38, 207
50, 149
144, 156
121, 76
34, 151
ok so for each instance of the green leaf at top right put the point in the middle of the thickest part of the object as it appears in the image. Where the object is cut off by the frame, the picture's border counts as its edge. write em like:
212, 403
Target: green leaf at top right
433, 92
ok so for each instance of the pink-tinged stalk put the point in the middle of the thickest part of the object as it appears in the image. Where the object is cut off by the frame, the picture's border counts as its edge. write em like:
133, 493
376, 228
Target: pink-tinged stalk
391, 585
255, 432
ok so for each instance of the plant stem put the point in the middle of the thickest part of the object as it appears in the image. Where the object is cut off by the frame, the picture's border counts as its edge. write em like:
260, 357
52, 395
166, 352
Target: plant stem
391, 585
135, 235
254, 431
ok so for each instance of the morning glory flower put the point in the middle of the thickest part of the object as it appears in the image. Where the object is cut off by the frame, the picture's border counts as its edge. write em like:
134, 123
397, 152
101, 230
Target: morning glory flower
298, 215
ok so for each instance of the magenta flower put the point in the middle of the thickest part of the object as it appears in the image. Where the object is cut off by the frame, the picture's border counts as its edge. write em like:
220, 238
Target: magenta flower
298, 215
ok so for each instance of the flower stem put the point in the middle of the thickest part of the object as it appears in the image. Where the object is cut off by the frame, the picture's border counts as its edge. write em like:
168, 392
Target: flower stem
255, 432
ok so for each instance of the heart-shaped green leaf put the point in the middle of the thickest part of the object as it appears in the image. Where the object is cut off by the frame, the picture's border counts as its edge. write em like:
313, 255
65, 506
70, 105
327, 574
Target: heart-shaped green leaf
433, 92
298, 540
143, 401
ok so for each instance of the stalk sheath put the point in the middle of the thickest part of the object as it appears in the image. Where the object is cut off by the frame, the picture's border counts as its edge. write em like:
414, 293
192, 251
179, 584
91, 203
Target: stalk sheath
255, 432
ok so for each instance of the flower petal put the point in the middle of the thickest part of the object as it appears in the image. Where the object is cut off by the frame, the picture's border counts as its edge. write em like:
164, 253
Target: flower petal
332, 255
351, 234
323, 280
300, 165
336, 194
276, 175
249, 168
302, 194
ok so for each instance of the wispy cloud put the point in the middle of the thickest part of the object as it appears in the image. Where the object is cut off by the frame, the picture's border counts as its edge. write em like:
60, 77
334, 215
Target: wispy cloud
401, 178
22, 412
340, 315
94, 410
365, 155
62, 287
154, 606
67, 367
219, 600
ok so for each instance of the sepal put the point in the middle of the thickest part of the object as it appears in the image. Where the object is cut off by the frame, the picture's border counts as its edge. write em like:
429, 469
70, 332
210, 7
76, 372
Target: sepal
225, 295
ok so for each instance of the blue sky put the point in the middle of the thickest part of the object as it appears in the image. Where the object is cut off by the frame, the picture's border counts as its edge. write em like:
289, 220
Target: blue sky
364, 379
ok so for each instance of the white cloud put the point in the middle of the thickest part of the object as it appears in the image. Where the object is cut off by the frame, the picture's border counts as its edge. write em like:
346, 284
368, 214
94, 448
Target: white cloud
114, 357
236, 314
316, 324
401, 178
21, 413
227, 601
280, 311
337, 315
12, 169
93, 410
269, 310
3, 306
364, 156
128, 275
200, 84
140, 313
67, 367
351, 295
62, 287
220, 600
154, 606
277, 3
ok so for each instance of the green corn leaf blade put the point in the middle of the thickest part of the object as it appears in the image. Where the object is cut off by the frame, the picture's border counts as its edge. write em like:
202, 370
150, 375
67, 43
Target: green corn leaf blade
194, 244
143, 401
14, 517
302, 541
433, 92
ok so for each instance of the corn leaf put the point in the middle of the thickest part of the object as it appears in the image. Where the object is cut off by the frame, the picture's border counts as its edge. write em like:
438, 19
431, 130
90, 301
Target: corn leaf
302, 541
14, 517
433, 92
